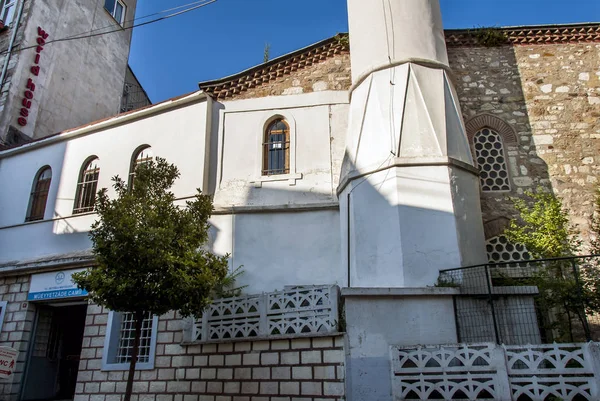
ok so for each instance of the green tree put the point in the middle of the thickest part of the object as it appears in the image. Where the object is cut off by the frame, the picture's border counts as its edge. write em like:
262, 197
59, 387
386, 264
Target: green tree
267, 53
149, 251
543, 227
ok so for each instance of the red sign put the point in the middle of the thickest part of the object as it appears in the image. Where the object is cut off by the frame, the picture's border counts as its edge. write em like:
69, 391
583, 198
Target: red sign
30, 87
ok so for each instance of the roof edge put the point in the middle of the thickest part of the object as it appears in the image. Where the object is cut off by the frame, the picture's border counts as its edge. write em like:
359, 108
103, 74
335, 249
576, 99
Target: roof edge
108, 122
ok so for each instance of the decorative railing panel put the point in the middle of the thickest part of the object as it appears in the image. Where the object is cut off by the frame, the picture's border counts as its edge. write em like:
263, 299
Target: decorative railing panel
445, 373
540, 372
568, 372
295, 311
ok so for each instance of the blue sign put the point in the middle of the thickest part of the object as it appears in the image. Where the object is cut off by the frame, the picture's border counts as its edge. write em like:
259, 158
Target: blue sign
54, 285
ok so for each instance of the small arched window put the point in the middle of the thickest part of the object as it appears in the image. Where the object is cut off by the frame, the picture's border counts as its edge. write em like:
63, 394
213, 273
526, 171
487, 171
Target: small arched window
142, 155
39, 194
489, 153
87, 186
276, 148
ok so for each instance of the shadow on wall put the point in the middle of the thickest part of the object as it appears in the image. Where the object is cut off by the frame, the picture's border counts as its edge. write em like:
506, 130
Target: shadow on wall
495, 105
306, 244
21, 241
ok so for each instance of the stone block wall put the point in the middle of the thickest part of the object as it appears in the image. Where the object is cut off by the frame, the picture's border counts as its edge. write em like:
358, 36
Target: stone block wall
550, 96
16, 330
330, 74
308, 369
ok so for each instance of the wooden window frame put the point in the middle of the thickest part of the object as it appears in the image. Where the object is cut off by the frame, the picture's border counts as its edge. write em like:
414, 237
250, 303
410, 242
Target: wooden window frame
266, 168
38, 198
84, 184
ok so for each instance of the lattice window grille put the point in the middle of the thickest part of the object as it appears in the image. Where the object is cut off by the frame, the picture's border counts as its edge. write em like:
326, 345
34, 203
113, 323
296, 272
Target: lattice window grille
500, 250
491, 160
127, 335
291, 312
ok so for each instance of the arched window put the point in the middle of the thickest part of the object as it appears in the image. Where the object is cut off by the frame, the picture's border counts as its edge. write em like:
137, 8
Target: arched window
500, 249
87, 186
39, 194
143, 154
276, 148
489, 153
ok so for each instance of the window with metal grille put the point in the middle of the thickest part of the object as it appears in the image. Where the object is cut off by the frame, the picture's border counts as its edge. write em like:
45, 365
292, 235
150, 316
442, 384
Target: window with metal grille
118, 344
87, 187
39, 194
127, 335
117, 9
143, 155
276, 148
489, 152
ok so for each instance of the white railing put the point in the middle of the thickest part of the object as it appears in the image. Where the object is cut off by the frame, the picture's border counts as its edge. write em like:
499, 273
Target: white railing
297, 311
565, 372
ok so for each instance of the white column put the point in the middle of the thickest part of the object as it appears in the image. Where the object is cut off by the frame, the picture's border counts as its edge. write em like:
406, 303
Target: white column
408, 190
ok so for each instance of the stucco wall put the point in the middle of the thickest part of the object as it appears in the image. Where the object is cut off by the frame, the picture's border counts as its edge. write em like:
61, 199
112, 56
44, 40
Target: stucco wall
550, 96
179, 136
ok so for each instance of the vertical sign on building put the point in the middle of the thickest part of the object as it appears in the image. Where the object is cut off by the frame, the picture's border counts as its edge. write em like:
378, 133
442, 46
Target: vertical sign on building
35, 70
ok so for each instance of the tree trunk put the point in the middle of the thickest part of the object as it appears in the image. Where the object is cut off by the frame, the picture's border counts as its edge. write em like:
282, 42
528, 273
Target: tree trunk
139, 319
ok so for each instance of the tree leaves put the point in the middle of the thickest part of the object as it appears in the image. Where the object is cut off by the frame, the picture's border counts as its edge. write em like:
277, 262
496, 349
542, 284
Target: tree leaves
149, 250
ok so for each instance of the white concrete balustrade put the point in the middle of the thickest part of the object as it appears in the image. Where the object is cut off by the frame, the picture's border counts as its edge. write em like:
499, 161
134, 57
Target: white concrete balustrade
293, 312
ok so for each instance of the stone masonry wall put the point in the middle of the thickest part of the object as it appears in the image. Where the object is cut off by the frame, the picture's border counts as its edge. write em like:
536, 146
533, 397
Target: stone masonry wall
330, 74
16, 330
550, 96
308, 369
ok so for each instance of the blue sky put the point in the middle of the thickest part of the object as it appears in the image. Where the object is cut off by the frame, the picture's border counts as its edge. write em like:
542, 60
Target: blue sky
170, 57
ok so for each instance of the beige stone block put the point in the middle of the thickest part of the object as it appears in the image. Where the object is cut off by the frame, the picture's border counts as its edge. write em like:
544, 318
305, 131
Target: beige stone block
198, 386
324, 372
233, 360
250, 388
260, 345
311, 357
166, 374
289, 388
200, 360
225, 373
333, 388
251, 359
269, 358
261, 373
299, 343
208, 373
214, 387
324, 342
216, 360
242, 373
157, 387
269, 388
280, 344
311, 388
206, 398
290, 358
245, 346
164, 397
182, 361
333, 356
192, 374
302, 372
232, 387
225, 347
